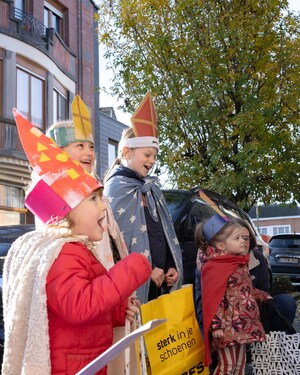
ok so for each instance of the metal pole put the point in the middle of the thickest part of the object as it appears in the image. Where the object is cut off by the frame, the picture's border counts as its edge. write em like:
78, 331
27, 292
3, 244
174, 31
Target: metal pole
257, 217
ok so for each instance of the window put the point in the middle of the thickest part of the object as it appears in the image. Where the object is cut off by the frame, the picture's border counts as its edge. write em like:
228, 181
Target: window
19, 9
20, 4
59, 106
54, 17
1, 83
11, 196
199, 212
263, 230
282, 229
287, 241
112, 151
30, 97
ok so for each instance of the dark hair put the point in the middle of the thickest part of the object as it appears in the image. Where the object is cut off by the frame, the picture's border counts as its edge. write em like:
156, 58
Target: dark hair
246, 225
226, 231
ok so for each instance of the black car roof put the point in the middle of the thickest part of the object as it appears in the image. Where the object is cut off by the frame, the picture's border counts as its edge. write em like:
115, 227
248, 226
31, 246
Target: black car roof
186, 194
9, 233
210, 193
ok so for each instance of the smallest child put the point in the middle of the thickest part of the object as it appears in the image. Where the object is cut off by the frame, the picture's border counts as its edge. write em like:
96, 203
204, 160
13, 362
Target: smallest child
230, 311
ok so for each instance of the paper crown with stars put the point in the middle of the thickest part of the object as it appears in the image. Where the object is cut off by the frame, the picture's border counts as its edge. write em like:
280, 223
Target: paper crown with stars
81, 129
61, 184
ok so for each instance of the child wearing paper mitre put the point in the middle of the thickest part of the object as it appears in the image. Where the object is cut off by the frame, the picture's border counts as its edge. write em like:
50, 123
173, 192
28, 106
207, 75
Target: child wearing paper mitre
139, 205
60, 303
75, 137
230, 311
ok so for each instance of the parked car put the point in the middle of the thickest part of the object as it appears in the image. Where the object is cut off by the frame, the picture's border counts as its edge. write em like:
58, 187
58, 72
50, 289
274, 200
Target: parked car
8, 234
187, 210
284, 256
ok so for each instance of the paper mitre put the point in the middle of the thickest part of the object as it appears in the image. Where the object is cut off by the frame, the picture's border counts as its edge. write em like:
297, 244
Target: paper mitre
144, 120
81, 118
82, 130
61, 184
144, 126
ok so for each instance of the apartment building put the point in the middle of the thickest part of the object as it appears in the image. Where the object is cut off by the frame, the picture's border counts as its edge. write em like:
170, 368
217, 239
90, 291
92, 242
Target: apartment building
48, 54
276, 219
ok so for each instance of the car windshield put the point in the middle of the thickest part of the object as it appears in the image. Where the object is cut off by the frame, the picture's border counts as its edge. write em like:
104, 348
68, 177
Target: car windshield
174, 200
285, 242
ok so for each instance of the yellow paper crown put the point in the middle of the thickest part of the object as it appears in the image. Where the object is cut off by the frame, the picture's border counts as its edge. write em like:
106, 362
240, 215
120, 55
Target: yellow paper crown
81, 117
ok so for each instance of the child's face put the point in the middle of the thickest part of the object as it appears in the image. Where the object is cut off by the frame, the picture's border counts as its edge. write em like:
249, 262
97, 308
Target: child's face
83, 152
141, 159
88, 216
234, 243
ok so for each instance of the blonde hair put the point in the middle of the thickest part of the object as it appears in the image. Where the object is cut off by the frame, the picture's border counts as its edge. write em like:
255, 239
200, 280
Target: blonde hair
126, 134
69, 124
60, 124
66, 224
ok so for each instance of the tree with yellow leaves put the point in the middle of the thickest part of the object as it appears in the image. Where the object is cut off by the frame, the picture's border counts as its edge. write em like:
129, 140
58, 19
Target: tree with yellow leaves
224, 75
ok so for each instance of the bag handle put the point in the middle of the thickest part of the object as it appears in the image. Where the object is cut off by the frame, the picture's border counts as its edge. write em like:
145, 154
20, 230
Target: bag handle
290, 330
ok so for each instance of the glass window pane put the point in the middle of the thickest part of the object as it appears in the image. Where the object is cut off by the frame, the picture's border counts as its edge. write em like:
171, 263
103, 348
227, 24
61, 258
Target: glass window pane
263, 230
23, 93
112, 152
55, 109
59, 106
20, 4
46, 17
56, 22
19, 9
62, 108
37, 101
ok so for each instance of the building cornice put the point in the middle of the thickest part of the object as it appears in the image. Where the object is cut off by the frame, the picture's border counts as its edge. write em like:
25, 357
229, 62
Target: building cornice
26, 50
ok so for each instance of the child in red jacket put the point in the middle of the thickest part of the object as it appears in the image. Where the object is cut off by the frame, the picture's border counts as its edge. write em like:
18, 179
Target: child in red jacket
60, 303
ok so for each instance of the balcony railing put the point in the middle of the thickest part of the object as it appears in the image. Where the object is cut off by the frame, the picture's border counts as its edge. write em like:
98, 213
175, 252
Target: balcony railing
30, 23
9, 138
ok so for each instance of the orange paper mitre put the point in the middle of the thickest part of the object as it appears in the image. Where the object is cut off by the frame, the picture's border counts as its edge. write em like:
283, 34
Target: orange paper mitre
62, 182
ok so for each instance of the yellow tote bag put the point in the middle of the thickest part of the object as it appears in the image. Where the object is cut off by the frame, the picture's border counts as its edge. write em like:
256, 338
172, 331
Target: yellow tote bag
175, 347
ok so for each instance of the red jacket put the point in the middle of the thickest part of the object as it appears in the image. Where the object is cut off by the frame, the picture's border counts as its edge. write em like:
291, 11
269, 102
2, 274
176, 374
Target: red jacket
85, 302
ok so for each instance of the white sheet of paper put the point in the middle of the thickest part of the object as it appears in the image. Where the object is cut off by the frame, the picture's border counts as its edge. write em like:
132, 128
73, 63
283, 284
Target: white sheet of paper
103, 359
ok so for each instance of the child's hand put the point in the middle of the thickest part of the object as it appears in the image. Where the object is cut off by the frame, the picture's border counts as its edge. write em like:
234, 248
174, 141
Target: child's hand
171, 276
158, 276
218, 334
132, 308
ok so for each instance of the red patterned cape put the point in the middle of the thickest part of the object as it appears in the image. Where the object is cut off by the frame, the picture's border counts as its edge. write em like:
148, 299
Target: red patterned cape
215, 274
